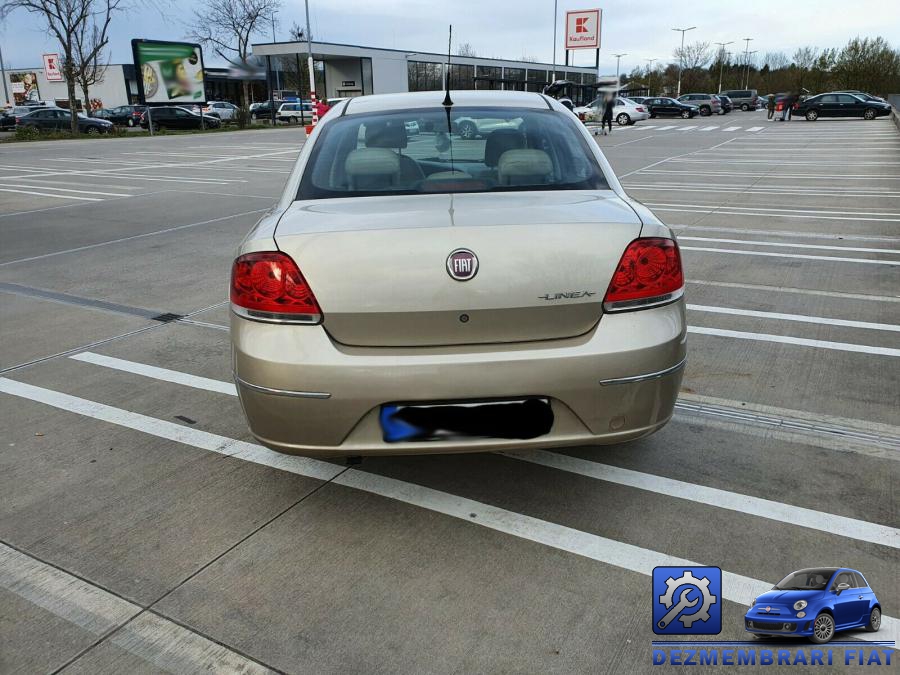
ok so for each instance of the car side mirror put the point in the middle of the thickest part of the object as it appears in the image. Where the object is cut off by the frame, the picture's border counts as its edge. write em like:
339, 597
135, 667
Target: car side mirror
842, 587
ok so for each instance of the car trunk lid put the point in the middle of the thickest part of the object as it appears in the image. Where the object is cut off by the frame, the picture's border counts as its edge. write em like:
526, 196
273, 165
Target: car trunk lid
378, 265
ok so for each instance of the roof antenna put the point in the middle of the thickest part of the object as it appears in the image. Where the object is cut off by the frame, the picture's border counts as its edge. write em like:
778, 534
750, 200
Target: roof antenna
447, 100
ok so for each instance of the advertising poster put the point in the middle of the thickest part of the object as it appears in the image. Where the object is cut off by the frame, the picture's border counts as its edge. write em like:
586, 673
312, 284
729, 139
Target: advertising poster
169, 72
24, 87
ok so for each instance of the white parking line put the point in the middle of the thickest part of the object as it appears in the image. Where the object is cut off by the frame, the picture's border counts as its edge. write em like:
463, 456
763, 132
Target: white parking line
59, 189
755, 128
745, 190
175, 376
694, 126
665, 128
841, 526
788, 340
149, 636
839, 236
687, 173
57, 196
780, 212
822, 247
709, 128
78, 249
731, 129
735, 588
801, 318
796, 256
799, 291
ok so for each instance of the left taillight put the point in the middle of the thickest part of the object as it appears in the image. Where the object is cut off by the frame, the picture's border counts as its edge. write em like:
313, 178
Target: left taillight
648, 275
268, 286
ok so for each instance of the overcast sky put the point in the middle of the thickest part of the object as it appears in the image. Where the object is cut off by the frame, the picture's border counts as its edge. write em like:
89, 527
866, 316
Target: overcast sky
513, 28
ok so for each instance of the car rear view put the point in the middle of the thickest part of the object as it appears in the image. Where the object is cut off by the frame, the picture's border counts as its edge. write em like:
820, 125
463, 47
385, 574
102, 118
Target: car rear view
426, 292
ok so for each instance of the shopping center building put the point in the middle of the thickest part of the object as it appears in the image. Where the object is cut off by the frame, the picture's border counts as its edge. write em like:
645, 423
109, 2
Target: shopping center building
352, 70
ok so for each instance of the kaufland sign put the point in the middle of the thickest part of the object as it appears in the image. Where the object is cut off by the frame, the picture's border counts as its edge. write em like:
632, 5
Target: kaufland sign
51, 68
583, 29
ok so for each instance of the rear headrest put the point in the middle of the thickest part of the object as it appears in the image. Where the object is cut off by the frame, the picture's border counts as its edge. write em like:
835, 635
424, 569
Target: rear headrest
524, 167
386, 135
372, 162
500, 141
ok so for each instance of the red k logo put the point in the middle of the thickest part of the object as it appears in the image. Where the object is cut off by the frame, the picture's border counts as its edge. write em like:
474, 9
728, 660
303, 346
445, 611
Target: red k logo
581, 24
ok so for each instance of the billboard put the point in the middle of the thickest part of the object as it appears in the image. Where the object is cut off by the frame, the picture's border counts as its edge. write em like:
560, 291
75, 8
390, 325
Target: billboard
169, 72
24, 87
583, 29
51, 68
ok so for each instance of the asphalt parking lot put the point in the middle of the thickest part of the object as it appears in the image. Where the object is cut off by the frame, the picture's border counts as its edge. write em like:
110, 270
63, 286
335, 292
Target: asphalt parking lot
143, 530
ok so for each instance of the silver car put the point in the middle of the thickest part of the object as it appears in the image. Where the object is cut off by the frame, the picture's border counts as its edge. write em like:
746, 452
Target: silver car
449, 294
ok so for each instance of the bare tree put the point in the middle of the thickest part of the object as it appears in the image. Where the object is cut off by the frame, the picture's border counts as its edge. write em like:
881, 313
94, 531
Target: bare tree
227, 26
694, 55
466, 49
71, 22
90, 65
297, 33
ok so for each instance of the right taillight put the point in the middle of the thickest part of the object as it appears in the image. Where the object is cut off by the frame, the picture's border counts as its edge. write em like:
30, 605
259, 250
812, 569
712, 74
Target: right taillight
649, 274
268, 286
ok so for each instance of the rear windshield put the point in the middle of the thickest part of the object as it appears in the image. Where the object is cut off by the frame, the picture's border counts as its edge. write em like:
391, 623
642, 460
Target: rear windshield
463, 150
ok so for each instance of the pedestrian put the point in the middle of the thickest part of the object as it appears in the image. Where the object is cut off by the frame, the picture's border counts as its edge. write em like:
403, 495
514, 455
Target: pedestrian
609, 103
770, 106
786, 104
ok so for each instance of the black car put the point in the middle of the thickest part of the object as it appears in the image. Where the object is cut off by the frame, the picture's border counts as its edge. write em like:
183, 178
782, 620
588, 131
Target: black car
664, 106
263, 110
840, 105
59, 119
727, 105
129, 115
173, 117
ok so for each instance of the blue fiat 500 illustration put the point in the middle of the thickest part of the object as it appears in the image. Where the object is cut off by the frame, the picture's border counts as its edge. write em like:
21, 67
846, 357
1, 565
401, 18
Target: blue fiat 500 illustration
815, 603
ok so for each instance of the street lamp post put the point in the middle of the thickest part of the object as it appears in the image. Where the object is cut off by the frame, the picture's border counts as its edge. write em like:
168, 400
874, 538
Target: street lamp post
3, 77
722, 61
681, 56
749, 54
650, 76
618, 58
746, 57
555, 14
312, 68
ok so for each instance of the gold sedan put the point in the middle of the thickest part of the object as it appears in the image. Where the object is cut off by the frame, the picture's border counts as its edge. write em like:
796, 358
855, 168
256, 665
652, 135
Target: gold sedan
438, 292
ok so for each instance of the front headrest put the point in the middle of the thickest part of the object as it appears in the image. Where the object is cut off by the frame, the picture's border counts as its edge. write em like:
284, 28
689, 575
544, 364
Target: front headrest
386, 135
500, 141
532, 165
372, 162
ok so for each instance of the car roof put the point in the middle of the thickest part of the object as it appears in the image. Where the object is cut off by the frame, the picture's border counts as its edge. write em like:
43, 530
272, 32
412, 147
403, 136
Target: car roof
433, 99
830, 570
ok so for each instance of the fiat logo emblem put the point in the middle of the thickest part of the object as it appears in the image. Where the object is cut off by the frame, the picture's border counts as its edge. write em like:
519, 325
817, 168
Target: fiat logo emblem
768, 609
462, 264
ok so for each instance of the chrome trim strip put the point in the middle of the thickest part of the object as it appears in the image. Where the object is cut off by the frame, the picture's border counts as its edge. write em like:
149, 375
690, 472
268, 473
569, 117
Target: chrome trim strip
643, 303
281, 392
644, 378
271, 317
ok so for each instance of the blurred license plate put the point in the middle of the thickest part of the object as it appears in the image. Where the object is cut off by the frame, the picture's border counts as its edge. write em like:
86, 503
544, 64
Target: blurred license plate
515, 419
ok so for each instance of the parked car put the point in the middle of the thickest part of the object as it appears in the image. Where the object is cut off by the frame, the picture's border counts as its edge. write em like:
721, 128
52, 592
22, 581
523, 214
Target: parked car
840, 105
480, 127
745, 99
638, 99
663, 106
262, 110
129, 115
60, 119
221, 109
403, 354
300, 112
625, 111
727, 105
706, 103
176, 117
815, 603
861, 94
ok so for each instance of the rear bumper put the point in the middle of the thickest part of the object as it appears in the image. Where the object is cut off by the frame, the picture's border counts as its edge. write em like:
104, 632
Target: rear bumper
302, 393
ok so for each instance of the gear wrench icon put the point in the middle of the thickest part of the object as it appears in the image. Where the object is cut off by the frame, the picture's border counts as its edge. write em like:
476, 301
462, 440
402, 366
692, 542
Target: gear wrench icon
701, 585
